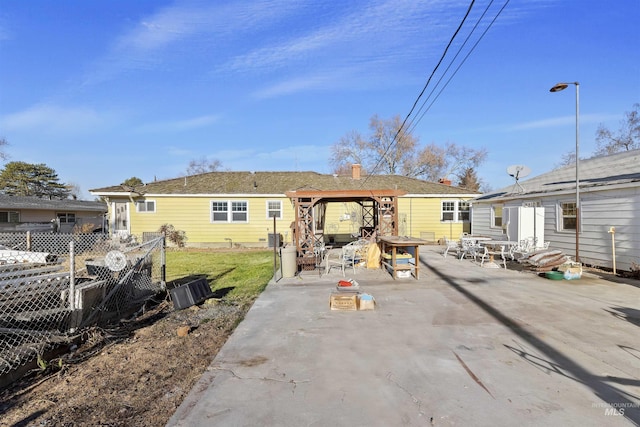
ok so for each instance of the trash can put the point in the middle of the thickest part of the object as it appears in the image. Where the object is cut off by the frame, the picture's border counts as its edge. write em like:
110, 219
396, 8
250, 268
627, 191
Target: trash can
288, 256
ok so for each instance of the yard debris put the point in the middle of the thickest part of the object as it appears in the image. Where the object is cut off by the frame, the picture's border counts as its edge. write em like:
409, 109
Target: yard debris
183, 331
544, 260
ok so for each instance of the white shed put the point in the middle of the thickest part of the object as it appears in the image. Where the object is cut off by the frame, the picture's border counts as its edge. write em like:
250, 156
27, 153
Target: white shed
609, 197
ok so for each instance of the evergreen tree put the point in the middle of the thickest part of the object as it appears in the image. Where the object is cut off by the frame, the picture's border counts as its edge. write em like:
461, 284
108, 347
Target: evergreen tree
26, 179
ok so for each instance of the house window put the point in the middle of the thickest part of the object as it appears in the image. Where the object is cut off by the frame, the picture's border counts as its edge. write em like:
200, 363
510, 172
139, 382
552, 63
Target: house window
463, 211
568, 211
274, 209
219, 211
9, 216
496, 216
239, 211
455, 211
66, 218
448, 211
229, 211
146, 206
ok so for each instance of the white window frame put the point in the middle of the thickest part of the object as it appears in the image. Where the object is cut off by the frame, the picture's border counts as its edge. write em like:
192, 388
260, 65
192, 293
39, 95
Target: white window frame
461, 211
64, 217
271, 210
230, 211
456, 212
12, 217
147, 204
493, 215
452, 212
560, 217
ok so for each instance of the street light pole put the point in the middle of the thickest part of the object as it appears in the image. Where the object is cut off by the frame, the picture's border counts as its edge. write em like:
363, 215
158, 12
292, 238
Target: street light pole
557, 88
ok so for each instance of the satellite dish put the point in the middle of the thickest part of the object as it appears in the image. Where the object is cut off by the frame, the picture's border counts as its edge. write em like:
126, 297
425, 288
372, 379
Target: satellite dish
115, 260
518, 171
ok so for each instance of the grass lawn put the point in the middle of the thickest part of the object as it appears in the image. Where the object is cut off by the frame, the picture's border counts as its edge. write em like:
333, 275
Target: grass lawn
237, 275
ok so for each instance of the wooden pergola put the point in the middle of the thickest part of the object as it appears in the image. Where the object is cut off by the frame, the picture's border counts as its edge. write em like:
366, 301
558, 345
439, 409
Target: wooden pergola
379, 214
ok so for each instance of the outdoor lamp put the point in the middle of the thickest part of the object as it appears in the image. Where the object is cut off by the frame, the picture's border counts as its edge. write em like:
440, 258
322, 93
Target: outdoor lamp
557, 88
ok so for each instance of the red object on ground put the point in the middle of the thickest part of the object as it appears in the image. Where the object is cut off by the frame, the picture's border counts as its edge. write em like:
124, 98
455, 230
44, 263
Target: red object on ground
345, 283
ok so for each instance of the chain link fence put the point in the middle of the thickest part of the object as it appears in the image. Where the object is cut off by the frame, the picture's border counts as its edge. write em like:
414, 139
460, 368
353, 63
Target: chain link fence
52, 286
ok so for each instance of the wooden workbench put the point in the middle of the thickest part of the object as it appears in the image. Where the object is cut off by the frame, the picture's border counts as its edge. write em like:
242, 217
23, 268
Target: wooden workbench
391, 244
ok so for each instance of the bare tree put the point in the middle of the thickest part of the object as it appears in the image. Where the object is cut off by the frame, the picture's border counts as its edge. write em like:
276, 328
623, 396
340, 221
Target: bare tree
203, 165
75, 192
626, 138
390, 150
350, 149
391, 146
3, 154
434, 162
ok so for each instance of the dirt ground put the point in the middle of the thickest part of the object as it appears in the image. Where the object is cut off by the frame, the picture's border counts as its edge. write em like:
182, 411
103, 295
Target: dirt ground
135, 374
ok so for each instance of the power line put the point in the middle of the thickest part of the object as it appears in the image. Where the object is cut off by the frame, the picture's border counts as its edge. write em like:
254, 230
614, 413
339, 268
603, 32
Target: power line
413, 123
393, 140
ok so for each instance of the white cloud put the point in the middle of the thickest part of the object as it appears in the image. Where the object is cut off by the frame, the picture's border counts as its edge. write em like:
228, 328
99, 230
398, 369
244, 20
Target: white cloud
52, 118
560, 121
186, 27
181, 125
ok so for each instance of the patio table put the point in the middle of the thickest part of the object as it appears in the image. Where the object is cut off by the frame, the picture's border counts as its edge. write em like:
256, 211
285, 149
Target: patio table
392, 244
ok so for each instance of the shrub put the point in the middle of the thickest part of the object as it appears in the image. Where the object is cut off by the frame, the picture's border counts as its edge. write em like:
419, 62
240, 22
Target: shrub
177, 237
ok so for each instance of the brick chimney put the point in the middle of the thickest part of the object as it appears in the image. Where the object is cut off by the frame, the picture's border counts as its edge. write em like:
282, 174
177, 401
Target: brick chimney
444, 181
355, 171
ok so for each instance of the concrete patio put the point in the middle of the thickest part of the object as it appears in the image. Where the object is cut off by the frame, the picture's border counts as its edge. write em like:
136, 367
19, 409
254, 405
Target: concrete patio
463, 345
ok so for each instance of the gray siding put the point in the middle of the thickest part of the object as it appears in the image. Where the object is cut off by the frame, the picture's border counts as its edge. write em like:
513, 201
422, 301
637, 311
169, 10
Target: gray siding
600, 210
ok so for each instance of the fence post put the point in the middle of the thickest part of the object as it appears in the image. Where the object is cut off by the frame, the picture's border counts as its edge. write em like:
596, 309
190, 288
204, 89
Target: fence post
72, 286
163, 261
28, 241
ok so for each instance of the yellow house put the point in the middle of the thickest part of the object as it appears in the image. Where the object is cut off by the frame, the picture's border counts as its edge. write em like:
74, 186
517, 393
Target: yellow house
253, 209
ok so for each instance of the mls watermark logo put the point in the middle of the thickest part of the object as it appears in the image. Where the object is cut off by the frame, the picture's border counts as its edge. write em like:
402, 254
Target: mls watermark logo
615, 409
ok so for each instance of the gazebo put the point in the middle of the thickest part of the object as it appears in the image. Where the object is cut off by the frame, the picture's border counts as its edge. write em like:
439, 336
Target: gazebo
379, 216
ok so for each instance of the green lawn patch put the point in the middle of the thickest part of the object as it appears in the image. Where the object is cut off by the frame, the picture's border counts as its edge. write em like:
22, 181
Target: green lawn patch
236, 275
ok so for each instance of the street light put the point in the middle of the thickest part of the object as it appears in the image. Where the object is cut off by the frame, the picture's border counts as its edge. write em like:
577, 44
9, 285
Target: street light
557, 88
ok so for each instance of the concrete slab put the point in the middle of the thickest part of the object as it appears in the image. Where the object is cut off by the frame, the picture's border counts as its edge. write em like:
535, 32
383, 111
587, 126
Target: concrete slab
463, 345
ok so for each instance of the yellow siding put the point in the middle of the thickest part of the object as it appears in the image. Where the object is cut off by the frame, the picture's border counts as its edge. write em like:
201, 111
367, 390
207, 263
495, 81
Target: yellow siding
422, 215
193, 216
418, 217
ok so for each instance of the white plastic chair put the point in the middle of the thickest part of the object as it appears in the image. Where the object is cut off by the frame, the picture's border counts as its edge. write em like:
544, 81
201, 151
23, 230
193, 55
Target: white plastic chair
343, 258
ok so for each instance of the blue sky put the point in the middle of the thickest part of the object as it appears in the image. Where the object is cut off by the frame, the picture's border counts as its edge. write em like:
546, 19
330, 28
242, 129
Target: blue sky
104, 90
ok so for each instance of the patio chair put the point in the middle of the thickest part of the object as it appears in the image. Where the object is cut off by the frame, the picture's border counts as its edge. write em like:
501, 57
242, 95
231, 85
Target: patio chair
470, 248
491, 253
451, 245
343, 258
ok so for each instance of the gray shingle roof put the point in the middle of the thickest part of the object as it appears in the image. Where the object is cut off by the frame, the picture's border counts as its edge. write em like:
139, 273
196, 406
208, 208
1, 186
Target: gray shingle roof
21, 202
281, 182
616, 169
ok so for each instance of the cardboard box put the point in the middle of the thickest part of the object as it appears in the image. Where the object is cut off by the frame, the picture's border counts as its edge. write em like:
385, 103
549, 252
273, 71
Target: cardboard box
343, 301
366, 302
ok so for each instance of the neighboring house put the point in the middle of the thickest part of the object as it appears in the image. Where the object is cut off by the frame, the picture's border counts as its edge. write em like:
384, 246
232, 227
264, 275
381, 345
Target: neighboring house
219, 209
19, 213
609, 197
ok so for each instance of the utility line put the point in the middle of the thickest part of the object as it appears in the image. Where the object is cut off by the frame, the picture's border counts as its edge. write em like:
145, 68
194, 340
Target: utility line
451, 63
422, 92
413, 125
414, 122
